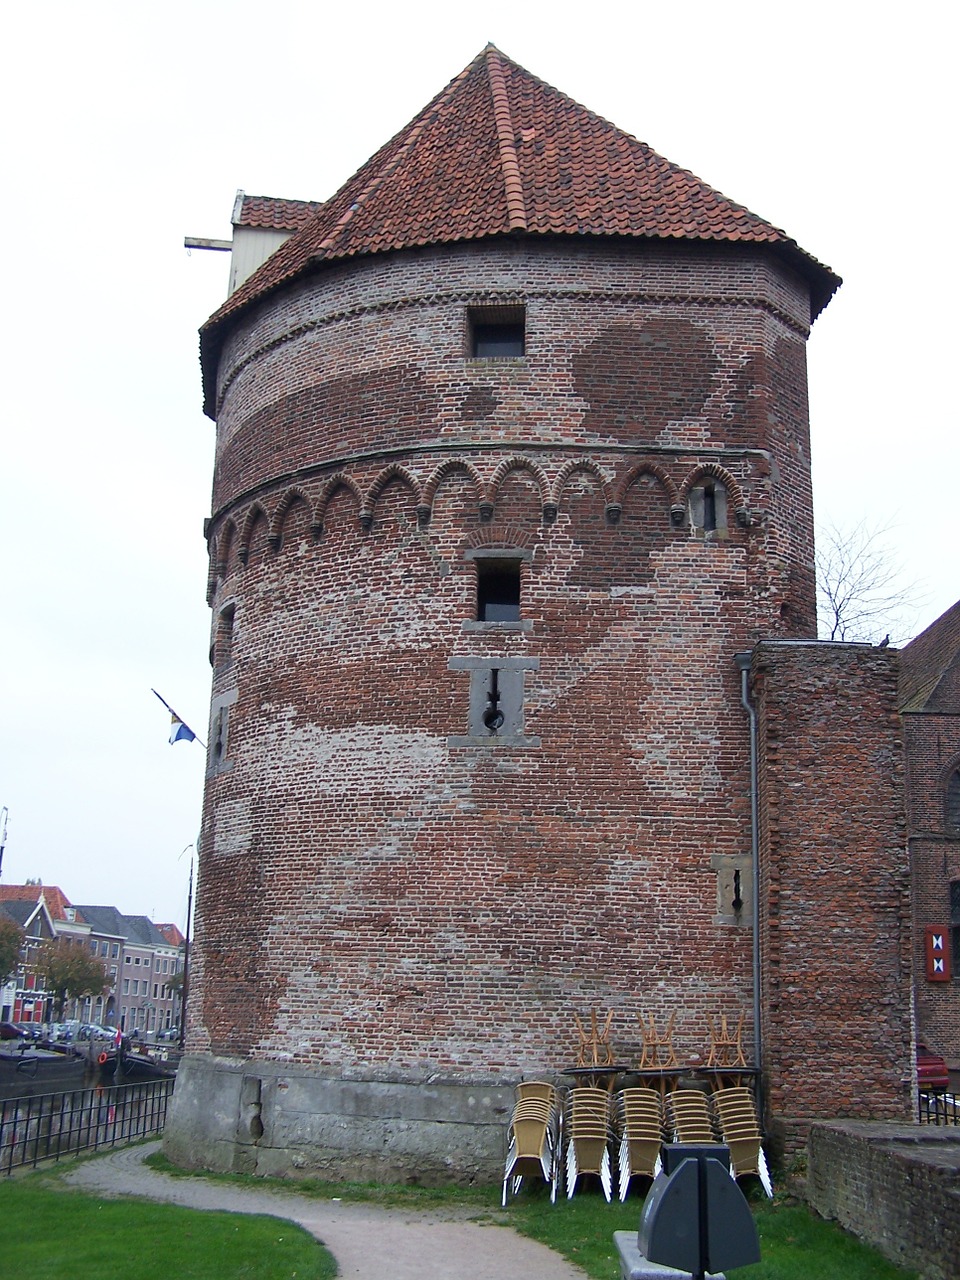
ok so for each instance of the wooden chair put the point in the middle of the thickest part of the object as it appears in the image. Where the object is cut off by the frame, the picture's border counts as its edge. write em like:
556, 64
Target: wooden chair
594, 1049
726, 1045
657, 1048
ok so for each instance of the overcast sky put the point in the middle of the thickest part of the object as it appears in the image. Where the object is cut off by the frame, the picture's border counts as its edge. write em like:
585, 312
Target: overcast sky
127, 127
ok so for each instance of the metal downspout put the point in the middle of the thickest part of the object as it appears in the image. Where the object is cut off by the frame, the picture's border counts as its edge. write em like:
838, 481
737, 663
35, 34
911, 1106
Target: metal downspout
743, 661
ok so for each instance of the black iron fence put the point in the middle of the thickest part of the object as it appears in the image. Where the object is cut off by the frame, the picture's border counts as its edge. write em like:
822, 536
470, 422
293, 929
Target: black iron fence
52, 1126
939, 1108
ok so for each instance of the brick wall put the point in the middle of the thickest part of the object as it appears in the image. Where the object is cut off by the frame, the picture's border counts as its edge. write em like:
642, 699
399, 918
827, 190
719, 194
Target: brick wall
895, 1186
835, 943
933, 751
381, 898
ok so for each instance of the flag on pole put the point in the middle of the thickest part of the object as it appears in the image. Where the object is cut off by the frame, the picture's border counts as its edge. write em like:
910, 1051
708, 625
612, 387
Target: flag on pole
180, 731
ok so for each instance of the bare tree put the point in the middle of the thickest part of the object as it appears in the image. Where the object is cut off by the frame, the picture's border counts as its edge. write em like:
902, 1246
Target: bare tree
861, 593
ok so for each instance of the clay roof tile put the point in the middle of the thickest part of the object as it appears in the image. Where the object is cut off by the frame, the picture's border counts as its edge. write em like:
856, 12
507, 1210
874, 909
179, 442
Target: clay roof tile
499, 152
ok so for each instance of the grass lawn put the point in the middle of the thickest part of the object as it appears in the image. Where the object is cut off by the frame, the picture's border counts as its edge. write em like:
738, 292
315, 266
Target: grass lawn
794, 1243
48, 1232
83, 1236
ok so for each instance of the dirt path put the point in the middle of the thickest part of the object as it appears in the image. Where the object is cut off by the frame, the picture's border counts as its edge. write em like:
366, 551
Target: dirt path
368, 1242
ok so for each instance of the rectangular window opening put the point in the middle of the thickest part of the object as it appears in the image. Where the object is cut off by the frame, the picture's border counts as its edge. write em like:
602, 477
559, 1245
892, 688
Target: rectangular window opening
498, 590
497, 333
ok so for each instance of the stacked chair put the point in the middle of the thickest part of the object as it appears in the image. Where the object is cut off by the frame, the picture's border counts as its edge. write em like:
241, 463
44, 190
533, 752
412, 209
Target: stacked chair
533, 1137
586, 1137
657, 1048
688, 1116
638, 1123
740, 1130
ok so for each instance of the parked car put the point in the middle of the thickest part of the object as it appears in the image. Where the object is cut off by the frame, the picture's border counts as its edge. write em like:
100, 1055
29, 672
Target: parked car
931, 1070
93, 1031
169, 1033
10, 1031
30, 1029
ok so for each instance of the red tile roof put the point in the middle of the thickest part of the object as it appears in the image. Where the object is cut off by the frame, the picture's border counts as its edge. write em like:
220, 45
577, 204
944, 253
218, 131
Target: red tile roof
499, 152
272, 213
55, 898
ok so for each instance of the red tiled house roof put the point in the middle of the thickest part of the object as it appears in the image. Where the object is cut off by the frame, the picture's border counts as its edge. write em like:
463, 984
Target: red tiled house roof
55, 898
498, 152
273, 214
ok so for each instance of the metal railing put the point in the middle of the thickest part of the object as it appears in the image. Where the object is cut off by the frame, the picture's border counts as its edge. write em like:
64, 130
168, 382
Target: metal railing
939, 1108
52, 1126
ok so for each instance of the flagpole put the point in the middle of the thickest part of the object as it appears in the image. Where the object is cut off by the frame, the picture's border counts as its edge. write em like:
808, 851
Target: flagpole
190, 735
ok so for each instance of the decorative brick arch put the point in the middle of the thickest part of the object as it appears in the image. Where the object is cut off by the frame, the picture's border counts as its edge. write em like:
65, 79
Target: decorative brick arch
339, 481
291, 496
516, 463
393, 472
223, 545
664, 479
510, 535
213, 567
569, 469
735, 498
425, 510
253, 514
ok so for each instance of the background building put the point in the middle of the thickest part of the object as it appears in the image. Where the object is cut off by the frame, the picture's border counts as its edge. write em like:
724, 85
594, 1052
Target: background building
142, 961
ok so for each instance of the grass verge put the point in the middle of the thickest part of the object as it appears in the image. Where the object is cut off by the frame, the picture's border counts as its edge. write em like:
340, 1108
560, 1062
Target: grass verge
50, 1232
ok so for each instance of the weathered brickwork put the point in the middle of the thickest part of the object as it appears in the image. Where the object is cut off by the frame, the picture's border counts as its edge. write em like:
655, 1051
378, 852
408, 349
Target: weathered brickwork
930, 700
388, 901
895, 1186
835, 945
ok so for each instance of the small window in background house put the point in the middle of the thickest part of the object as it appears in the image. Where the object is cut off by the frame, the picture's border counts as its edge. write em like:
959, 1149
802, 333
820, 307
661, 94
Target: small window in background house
498, 590
497, 333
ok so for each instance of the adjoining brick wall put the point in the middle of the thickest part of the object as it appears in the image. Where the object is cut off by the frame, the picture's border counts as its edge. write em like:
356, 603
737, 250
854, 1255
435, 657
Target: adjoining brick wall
895, 1186
932, 740
835, 937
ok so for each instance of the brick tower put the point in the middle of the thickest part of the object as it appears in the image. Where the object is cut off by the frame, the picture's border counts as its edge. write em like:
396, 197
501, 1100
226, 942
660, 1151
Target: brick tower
512, 459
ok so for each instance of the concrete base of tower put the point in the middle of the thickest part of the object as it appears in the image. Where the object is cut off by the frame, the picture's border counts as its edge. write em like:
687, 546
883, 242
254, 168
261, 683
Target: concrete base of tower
247, 1116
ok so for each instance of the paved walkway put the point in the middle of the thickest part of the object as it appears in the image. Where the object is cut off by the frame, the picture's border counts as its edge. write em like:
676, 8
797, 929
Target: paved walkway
368, 1242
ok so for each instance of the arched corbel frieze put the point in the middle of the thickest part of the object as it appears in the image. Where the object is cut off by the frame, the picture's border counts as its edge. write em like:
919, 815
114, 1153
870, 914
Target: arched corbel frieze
388, 474
735, 498
570, 469
292, 496
488, 501
446, 469
664, 479
254, 516
337, 482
